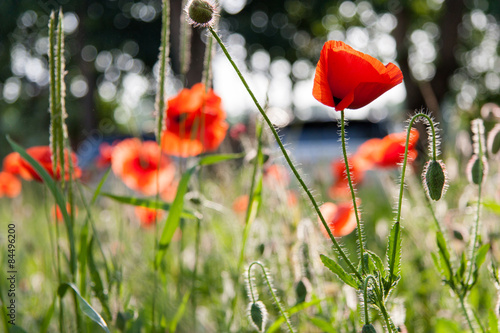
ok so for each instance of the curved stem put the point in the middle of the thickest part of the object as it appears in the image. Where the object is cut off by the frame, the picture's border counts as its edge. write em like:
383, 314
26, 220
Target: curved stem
466, 313
337, 246
403, 173
271, 289
353, 195
365, 296
388, 321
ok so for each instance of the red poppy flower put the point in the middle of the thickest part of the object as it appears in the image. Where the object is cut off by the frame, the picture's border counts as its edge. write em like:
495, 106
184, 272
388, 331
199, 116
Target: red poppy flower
195, 122
15, 164
104, 158
148, 216
240, 204
56, 213
340, 218
389, 153
349, 79
10, 186
140, 165
276, 174
340, 187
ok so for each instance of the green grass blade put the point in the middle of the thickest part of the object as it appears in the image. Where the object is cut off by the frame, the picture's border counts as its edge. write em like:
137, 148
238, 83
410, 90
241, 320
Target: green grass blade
99, 186
85, 307
214, 159
297, 308
174, 216
150, 203
48, 316
180, 312
96, 279
60, 201
339, 271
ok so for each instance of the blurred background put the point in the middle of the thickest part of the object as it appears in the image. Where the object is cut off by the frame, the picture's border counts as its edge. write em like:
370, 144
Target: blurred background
448, 52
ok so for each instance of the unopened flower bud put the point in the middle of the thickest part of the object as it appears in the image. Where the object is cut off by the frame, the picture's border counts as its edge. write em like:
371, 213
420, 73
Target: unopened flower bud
477, 170
201, 13
258, 315
493, 142
434, 179
368, 328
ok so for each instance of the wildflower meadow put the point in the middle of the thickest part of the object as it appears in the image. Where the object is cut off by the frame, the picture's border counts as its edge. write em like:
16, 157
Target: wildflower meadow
232, 188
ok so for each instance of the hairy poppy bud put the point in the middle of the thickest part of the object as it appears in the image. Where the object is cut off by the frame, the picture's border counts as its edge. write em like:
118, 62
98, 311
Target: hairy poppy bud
201, 13
258, 315
368, 328
434, 179
477, 170
493, 142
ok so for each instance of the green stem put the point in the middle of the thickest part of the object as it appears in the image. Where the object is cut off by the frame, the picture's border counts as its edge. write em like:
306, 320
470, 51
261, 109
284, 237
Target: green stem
337, 246
390, 325
195, 270
403, 173
163, 58
365, 295
353, 195
466, 313
271, 289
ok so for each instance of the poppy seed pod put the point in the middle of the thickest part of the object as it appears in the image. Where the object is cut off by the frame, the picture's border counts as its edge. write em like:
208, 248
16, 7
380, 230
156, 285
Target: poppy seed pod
493, 142
477, 170
258, 315
434, 179
368, 328
201, 13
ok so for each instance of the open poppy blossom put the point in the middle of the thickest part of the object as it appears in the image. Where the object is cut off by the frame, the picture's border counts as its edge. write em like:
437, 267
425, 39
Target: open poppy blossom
140, 165
340, 218
104, 158
349, 79
10, 186
16, 165
195, 122
148, 216
389, 153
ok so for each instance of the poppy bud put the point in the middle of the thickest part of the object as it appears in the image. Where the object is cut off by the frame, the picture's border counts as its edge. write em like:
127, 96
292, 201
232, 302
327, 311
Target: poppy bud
258, 315
434, 179
368, 328
201, 13
477, 170
493, 142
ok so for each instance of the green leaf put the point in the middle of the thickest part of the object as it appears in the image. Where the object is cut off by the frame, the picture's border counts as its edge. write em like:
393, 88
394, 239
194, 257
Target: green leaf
461, 270
492, 322
377, 262
297, 308
48, 316
85, 307
99, 186
479, 260
174, 216
214, 159
60, 201
393, 257
180, 312
337, 269
98, 286
150, 203
323, 325
444, 254
491, 205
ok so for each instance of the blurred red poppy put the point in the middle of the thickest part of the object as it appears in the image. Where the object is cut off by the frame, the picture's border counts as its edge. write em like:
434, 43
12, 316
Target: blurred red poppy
349, 79
389, 152
148, 216
56, 213
10, 186
104, 158
140, 165
16, 165
340, 187
195, 122
276, 174
340, 218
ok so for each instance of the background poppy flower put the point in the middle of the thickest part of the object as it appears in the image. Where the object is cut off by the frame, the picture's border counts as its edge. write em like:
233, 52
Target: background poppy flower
56, 213
10, 186
15, 164
390, 151
340, 187
346, 78
148, 216
139, 164
104, 158
240, 204
340, 218
195, 122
